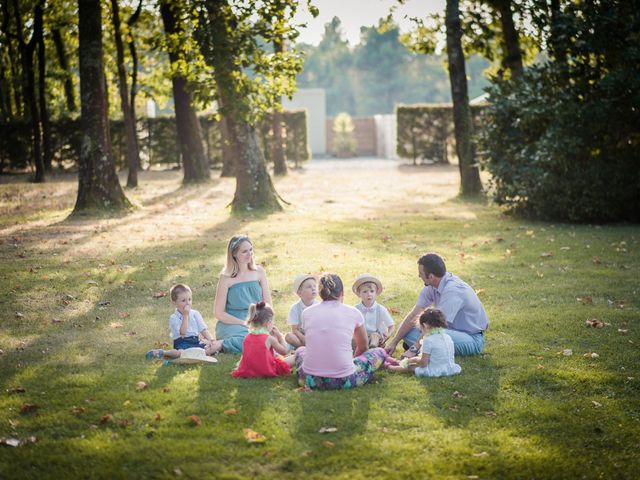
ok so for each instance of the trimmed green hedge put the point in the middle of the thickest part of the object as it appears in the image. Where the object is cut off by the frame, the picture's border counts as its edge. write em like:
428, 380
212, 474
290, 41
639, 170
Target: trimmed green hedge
425, 131
157, 141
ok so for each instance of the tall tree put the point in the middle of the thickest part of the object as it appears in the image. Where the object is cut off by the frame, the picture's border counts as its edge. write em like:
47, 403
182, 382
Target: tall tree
98, 186
232, 37
27, 50
194, 160
131, 144
277, 152
512, 53
61, 52
42, 90
463, 124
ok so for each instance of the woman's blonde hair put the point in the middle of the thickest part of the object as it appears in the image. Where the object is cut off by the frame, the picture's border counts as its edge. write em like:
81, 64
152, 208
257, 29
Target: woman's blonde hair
231, 267
260, 314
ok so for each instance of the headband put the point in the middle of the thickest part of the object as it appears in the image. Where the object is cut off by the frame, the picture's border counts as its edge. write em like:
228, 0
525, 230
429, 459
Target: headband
237, 242
260, 305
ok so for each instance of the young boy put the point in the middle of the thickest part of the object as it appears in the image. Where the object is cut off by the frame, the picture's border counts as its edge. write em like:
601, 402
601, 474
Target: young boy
186, 327
306, 287
378, 321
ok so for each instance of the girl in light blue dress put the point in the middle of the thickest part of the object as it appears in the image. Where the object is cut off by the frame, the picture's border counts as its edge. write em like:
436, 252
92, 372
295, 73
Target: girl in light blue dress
436, 356
241, 283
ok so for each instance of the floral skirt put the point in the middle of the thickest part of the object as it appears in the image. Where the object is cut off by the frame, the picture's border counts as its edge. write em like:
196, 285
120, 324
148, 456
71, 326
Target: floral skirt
365, 365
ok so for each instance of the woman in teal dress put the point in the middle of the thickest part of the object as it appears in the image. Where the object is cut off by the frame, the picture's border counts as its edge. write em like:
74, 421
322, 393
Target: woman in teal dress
241, 283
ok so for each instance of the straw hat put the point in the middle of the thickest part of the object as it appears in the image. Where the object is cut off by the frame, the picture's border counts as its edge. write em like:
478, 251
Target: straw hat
193, 355
366, 278
300, 279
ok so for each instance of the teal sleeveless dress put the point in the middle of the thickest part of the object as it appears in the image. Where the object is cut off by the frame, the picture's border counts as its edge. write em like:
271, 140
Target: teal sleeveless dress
239, 296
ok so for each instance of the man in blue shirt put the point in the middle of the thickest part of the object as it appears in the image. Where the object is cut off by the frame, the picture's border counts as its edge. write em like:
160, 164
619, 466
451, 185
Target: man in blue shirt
466, 318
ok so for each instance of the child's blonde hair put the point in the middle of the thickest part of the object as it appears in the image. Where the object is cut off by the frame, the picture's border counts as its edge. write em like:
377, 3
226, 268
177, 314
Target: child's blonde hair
260, 314
434, 318
231, 267
177, 289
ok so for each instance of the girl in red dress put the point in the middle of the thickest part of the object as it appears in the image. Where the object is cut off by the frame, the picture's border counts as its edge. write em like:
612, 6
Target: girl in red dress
258, 357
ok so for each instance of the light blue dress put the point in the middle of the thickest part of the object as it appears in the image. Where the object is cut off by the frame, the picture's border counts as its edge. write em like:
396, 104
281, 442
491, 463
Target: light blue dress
239, 296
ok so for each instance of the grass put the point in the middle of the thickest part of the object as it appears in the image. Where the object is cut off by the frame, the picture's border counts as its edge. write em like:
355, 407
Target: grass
79, 312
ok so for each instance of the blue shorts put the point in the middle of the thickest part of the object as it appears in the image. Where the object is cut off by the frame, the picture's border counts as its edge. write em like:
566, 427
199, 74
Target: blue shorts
183, 343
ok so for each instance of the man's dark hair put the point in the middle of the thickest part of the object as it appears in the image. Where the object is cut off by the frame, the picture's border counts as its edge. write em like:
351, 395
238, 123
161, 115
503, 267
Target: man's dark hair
434, 264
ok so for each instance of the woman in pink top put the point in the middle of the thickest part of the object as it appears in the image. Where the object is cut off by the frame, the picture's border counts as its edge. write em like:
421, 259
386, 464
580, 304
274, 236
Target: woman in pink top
327, 362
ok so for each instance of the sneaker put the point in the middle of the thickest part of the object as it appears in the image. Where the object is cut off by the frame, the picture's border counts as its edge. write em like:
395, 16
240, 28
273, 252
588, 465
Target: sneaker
155, 353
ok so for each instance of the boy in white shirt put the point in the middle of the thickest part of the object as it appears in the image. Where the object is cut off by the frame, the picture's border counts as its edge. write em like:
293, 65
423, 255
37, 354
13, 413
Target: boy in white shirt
378, 321
306, 287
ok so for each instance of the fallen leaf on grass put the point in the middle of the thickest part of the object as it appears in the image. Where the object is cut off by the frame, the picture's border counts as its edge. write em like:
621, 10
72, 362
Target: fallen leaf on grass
106, 418
591, 355
159, 294
567, 352
565, 248
490, 413
141, 385
178, 472
195, 420
77, 410
124, 423
480, 291
16, 442
253, 436
594, 323
328, 444
231, 411
130, 334
116, 325
125, 314
585, 300
11, 391
395, 311
19, 315
480, 454
55, 321
92, 283
596, 404
328, 430
596, 260
540, 366
453, 408
546, 254
29, 408
457, 394
158, 417
623, 331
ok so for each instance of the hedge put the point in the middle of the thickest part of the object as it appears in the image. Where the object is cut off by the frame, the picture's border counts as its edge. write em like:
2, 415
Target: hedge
425, 131
157, 141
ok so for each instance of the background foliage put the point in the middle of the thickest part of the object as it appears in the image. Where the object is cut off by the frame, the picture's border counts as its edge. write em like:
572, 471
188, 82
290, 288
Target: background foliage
562, 142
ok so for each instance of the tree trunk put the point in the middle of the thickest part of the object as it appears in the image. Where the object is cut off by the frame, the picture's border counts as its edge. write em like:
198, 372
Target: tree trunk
462, 121
277, 153
254, 189
64, 64
512, 54
134, 74
129, 126
98, 186
17, 85
230, 152
26, 56
194, 161
42, 96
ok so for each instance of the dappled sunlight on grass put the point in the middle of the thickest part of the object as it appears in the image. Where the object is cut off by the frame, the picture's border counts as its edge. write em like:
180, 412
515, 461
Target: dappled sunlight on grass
90, 295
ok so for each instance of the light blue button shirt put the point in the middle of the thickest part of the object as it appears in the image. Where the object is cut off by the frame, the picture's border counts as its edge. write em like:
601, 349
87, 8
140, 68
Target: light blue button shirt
459, 303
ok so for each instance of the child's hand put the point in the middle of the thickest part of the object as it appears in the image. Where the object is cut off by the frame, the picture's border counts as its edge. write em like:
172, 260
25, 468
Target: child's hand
186, 309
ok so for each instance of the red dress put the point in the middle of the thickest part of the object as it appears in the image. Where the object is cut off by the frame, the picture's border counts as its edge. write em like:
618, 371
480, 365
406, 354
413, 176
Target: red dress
258, 360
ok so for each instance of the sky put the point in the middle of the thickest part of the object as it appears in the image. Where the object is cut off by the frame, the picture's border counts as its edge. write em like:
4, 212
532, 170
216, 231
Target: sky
356, 13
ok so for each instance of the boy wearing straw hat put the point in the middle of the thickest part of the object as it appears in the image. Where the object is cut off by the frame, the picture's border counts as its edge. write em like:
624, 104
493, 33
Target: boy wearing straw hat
377, 318
306, 287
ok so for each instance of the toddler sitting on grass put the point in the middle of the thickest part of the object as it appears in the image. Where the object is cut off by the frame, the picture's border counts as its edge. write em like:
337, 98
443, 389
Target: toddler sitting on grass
258, 357
377, 318
436, 357
187, 327
306, 287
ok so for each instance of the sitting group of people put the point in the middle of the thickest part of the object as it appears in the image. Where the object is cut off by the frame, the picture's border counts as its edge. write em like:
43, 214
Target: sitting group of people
331, 345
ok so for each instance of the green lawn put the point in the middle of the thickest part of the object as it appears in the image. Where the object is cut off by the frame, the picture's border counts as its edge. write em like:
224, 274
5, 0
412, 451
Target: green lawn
79, 312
